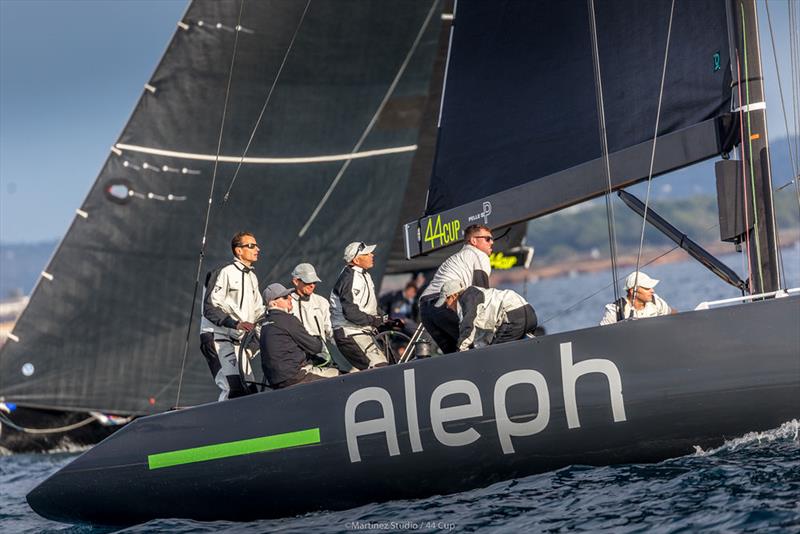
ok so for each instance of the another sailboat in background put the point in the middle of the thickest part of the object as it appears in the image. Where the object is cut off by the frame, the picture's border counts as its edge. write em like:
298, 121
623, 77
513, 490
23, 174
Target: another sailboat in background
307, 133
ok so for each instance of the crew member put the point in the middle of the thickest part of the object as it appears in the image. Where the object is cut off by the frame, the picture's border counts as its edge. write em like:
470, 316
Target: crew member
402, 306
354, 309
286, 347
311, 309
471, 267
232, 306
639, 302
487, 316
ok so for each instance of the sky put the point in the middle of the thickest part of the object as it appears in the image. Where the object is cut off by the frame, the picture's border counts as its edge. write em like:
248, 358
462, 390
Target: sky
71, 72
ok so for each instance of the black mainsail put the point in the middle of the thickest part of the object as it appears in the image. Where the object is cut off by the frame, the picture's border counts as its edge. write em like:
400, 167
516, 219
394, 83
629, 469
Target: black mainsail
519, 134
106, 324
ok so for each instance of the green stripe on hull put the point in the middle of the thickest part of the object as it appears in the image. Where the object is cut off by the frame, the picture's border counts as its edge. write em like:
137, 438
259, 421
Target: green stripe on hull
233, 448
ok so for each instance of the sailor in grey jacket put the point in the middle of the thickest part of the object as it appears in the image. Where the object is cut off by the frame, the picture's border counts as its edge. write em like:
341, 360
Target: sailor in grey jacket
313, 310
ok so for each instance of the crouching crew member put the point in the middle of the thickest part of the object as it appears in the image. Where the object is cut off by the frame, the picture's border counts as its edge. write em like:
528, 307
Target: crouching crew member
471, 267
311, 309
354, 309
232, 306
487, 316
286, 347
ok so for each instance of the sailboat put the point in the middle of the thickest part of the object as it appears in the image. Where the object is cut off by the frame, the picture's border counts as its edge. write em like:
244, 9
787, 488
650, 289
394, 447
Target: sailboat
545, 104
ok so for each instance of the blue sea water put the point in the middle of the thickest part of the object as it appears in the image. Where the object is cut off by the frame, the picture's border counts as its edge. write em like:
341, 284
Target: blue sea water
749, 484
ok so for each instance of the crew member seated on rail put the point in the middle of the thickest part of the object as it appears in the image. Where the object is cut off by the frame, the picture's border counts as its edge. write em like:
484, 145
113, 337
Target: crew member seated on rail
287, 348
645, 303
354, 309
487, 316
471, 267
313, 310
232, 306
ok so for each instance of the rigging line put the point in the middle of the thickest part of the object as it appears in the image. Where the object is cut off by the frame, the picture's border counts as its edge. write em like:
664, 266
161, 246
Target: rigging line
210, 201
783, 105
612, 238
756, 229
653, 151
776, 239
795, 72
372, 122
744, 178
266, 103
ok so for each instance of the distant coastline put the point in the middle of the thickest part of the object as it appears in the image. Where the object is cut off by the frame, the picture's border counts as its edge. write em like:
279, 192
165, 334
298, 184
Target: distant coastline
585, 263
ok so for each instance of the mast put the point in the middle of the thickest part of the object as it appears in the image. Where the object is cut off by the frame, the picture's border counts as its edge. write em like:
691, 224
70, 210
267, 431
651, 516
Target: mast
757, 182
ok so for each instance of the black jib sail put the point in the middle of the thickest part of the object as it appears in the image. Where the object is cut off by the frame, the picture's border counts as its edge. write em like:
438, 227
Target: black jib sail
318, 125
519, 133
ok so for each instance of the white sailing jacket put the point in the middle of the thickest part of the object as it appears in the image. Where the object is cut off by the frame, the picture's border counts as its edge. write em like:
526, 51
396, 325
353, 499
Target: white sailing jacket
655, 308
469, 265
231, 295
354, 306
481, 312
315, 314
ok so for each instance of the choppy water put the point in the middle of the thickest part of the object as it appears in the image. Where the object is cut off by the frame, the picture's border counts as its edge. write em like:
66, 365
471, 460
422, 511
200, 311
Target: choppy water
749, 484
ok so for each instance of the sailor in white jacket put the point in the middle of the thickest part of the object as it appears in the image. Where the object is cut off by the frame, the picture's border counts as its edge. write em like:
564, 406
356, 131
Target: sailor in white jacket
487, 316
232, 306
640, 301
471, 267
313, 310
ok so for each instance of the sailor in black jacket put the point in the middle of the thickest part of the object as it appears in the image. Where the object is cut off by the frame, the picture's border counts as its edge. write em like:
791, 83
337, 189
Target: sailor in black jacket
286, 346
354, 309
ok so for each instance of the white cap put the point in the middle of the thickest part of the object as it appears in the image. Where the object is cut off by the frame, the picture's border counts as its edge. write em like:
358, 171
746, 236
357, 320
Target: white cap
357, 248
451, 287
306, 273
642, 280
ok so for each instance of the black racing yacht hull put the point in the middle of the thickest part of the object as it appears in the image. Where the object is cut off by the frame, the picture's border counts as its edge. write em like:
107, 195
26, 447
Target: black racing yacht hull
639, 391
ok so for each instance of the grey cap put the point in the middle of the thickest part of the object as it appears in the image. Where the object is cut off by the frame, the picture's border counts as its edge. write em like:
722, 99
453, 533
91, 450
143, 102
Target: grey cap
275, 291
451, 287
306, 273
357, 248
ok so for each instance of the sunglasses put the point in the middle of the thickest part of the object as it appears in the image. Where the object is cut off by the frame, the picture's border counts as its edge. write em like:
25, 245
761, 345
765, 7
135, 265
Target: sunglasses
488, 238
248, 245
